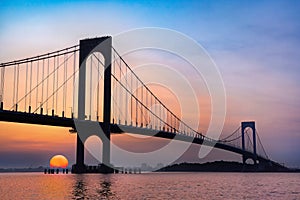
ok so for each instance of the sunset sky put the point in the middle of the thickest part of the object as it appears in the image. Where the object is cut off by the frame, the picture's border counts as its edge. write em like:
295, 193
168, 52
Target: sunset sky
255, 45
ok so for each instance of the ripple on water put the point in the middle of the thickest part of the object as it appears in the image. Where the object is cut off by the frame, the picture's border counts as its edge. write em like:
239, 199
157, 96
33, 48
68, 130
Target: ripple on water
151, 186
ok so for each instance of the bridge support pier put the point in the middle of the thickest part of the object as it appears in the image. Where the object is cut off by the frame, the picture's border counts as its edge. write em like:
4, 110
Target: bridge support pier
79, 166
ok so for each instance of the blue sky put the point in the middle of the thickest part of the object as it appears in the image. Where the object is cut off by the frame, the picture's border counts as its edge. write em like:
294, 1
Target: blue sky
255, 44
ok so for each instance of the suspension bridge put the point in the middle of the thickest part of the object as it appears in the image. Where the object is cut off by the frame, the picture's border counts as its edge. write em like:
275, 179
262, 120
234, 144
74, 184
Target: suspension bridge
75, 83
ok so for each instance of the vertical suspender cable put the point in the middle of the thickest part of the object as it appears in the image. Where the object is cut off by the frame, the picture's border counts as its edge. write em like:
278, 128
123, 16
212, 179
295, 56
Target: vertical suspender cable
142, 106
126, 100
98, 82
64, 86
147, 106
175, 124
56, 90
43, 77
114, 116
47, 91
131, 99
116, 94
91, 82
53, 86
153, 112
136, 101
14, 88
120, 92
26, 80
65, 82
171, 122
17, 92
156, 112
2, 86
37, 82
30, 84
74, 65
1, 89
160, 117
150, 108
168, 120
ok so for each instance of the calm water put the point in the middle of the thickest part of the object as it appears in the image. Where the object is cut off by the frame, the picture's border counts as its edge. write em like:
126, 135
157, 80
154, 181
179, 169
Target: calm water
151, 186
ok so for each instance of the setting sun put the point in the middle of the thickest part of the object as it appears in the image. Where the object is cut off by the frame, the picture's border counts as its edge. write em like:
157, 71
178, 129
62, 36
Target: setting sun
59, 161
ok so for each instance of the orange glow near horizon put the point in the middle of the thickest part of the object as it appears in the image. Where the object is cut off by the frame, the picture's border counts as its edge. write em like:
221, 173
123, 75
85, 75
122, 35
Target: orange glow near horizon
35, 138
59, 161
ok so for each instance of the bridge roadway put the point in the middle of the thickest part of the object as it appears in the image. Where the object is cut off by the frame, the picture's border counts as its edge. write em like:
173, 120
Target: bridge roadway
31, 118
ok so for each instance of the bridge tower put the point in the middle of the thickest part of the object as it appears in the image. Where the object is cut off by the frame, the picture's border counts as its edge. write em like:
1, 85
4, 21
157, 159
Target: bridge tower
87, 47
250, 124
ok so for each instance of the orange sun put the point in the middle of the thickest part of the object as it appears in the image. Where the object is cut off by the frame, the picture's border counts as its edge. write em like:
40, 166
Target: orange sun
59, 161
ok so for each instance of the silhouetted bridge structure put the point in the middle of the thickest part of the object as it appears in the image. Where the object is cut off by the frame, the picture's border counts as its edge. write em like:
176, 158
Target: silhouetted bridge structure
50, 89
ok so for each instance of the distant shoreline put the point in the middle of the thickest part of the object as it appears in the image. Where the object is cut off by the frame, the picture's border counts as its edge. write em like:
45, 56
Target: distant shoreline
20, 170
217, 166
223, 166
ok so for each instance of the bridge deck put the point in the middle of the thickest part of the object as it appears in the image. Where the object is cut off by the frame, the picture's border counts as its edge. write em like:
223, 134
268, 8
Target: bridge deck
48, 120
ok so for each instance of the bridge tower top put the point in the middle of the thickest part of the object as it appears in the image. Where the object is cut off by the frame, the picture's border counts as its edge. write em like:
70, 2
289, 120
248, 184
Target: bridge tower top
91, 45
250, 124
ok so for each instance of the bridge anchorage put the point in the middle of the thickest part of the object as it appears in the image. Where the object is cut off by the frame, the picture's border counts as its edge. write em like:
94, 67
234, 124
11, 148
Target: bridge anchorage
40, 89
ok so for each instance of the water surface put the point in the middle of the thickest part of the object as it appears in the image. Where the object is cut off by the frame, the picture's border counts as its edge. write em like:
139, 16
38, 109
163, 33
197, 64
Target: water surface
151, 186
